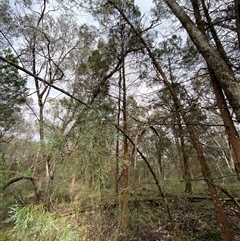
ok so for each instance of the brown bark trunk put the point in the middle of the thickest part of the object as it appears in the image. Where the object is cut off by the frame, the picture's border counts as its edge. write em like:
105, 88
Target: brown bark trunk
231, 131
118, 124
221, 70
117, 167
125, 196
159, 160
185, 161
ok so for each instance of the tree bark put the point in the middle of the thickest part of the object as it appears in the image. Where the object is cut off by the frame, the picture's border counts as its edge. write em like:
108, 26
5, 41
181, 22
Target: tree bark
16, 179
125, 195
118, 141
184, 157
221, 70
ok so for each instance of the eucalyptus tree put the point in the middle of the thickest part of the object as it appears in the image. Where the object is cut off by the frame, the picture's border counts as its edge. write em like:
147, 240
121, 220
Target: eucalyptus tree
223, 72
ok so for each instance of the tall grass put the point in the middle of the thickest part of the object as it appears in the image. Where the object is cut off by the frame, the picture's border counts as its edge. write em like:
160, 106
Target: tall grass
33, 222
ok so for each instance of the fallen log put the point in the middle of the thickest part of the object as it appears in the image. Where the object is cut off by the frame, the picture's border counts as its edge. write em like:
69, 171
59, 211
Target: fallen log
200, 199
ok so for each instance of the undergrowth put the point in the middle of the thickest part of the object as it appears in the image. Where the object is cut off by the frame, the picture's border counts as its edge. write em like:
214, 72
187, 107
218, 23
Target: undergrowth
33, 222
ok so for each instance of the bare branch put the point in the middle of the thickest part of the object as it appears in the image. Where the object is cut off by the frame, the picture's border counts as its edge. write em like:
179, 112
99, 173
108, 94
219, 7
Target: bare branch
16, 179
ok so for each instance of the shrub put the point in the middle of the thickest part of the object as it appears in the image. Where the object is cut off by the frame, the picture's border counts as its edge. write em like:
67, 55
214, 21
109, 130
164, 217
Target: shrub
33, 222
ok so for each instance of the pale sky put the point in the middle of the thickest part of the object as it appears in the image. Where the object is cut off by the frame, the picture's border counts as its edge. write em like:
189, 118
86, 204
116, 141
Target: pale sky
144, 5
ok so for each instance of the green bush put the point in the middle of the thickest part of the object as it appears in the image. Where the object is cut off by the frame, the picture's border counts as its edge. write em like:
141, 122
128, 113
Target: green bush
4, 237
33, 222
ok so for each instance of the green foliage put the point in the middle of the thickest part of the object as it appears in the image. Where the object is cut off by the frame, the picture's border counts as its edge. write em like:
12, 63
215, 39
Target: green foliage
141, 216
33, 222
55, 144
13, 91
4, 236
6, 20
97, 61
2, 179
2, 168
96, 141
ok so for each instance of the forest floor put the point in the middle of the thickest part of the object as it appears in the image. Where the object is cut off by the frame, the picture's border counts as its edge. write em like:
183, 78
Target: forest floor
192, 220
97, 218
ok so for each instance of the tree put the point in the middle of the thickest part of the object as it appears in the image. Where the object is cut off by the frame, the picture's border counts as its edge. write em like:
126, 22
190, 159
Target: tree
122, 43
46, 44
222, 71
13, 93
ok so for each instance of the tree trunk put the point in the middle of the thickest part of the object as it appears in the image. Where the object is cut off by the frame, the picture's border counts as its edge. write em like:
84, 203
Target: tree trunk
231, 131
118, 141
221, 70
184, 157
125, 196
159, 160
45, 195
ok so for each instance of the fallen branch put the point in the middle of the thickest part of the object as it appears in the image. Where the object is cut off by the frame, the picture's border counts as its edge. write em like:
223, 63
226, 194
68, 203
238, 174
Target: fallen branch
16, 179
200, 199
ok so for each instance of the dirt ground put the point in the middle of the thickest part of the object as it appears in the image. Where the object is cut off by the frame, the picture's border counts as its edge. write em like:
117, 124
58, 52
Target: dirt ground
193, 220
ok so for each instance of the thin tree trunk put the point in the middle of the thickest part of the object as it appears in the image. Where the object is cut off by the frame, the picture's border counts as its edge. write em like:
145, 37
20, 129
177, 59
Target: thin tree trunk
185, 160
125, 196
159, 160
181, 146
49, 169
117, 166
118, 124
41, 121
